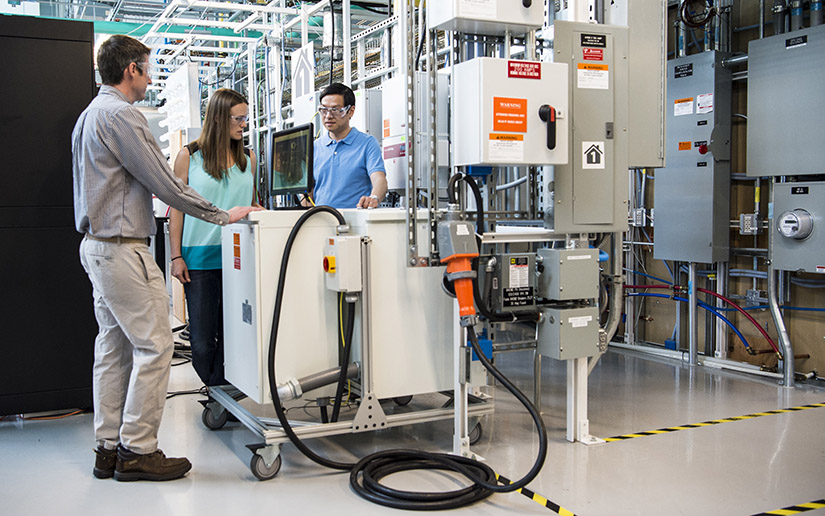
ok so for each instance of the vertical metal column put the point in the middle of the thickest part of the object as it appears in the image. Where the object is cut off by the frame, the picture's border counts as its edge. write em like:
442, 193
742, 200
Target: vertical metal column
461, 437
578, 426
693, 321
347, 43
681, 47
721, 328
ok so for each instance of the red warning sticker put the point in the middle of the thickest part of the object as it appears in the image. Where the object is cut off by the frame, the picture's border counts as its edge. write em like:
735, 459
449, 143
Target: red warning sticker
524, 69
593, 54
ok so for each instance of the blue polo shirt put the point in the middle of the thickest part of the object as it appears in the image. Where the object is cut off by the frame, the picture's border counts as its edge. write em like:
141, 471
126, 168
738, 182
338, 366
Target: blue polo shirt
343, 168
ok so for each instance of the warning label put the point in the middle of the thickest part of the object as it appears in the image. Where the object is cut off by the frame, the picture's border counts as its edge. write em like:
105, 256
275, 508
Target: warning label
507, 148
524, 69
683, 107
520, 296
593, 76
510, 114
704, 103
592, 54
236, 250
684, 146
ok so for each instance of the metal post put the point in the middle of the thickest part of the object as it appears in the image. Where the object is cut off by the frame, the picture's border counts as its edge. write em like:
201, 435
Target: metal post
761, 19
578, 426
681, 47
721, 327
693, 321
346, 42
784, 339
461, 437
366, 316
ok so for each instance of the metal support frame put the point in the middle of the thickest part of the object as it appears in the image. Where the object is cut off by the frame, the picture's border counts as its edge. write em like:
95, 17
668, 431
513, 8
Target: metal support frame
578, 426
721, 350
693, 320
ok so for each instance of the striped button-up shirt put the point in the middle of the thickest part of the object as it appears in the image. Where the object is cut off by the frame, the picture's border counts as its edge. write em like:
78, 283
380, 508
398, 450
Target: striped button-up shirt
117, 165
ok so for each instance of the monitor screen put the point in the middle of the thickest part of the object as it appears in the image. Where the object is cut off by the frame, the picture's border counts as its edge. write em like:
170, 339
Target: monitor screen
292, 161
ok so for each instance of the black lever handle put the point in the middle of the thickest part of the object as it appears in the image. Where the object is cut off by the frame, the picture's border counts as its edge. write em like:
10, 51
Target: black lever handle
547, 113
527, 3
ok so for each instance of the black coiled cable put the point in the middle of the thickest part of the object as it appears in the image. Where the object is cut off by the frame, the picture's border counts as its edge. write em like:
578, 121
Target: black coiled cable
365, 476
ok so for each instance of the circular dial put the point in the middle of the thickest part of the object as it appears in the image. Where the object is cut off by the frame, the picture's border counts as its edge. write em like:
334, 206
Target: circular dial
797, 224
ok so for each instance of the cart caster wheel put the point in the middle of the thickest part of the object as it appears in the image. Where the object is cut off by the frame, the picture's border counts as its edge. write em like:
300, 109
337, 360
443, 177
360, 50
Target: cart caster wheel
475, 433
213, 421
259, 469
402, 400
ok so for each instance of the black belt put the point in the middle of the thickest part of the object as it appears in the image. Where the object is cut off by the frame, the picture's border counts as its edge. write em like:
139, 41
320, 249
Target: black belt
120, 239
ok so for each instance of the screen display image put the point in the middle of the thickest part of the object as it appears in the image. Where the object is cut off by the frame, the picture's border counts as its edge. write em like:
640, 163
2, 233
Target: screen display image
292, 161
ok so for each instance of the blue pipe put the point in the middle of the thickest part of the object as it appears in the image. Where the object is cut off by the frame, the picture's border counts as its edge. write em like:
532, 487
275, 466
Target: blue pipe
647, 276
703, 305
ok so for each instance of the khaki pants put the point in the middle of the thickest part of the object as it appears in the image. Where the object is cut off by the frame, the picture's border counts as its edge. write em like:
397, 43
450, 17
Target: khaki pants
134, 346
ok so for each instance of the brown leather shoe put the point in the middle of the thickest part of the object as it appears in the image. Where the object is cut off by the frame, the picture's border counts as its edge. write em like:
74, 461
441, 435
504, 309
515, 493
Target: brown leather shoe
151, 466
104, 462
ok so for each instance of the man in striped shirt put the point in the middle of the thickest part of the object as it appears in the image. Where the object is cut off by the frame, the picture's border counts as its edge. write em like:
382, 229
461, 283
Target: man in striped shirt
117, 165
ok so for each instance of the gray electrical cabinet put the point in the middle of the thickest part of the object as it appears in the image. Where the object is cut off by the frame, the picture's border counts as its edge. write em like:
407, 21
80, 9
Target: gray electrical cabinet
647, 52
798, 227
786, 74
692, 194
568, 274
566, 333
589, 194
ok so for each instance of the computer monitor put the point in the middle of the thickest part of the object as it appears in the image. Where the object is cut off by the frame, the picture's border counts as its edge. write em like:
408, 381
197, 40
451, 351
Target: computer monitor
291, 171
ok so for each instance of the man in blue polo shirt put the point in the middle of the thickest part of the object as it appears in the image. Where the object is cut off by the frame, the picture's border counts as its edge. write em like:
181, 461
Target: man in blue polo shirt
349, 169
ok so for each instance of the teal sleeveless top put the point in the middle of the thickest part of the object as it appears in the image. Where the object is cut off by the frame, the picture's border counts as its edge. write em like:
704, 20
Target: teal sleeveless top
201, 242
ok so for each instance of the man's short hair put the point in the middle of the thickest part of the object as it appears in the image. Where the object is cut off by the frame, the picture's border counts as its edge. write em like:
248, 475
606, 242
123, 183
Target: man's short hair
336, 88
115, 54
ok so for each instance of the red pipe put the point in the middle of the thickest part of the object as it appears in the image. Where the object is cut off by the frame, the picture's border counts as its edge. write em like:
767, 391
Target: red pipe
747, 315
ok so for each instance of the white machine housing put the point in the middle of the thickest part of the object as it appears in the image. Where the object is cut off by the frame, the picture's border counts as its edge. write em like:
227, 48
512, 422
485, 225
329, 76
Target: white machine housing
413, 323
496, 117
485, 16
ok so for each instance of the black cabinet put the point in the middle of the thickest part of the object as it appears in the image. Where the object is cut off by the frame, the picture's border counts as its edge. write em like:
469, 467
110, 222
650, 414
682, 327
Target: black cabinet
47, 325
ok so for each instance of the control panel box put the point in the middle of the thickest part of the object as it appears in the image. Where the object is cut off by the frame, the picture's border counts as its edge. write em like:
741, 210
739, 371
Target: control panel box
567, 274
798, 227
785, 108
485, 16
342, 263
513, 285
590, 193
510, 112
567, 333
692, 194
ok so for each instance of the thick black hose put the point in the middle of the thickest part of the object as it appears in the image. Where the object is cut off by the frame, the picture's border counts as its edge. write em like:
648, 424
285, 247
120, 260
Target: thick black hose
342, 379
273, 339
372, 468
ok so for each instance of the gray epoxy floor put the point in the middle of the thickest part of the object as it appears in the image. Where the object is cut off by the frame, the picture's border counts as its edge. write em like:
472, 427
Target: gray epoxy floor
737, 468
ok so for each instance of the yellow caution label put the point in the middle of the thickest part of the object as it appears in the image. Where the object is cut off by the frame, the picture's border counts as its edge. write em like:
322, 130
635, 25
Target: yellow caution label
507, 137
589, 66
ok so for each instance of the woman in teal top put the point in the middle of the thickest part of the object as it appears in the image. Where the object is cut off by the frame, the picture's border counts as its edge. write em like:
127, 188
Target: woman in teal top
217, 166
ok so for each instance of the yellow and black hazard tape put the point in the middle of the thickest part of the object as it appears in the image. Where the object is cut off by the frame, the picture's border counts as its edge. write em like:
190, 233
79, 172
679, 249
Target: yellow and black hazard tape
558, 509
796, 509
714, 422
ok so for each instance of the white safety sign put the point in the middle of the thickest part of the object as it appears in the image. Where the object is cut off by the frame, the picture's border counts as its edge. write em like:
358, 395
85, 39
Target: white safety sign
592, 154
